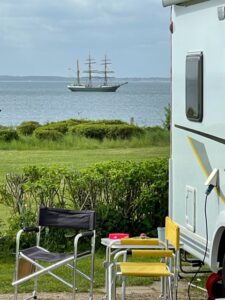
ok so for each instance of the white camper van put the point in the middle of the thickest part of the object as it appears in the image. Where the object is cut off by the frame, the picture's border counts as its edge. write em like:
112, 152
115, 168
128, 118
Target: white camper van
198, 125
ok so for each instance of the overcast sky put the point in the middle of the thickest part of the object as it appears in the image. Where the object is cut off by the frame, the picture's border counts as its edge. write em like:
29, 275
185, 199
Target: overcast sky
45, 37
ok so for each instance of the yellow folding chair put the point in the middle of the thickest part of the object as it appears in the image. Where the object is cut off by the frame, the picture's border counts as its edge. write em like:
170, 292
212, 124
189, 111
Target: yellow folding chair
166, 269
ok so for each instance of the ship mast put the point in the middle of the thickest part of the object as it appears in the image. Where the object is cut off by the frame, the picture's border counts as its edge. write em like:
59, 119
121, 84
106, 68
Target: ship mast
78, 73
90, 71
106, 62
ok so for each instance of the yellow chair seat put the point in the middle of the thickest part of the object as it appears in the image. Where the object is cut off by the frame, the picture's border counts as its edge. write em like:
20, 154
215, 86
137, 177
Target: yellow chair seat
144, 269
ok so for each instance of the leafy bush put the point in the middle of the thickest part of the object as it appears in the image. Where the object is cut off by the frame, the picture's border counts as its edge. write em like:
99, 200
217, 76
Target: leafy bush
101, 131
127, 196
46, 186
7, 135
72, 122
109, 122
61, 127
157, 135
48, 134
28, 127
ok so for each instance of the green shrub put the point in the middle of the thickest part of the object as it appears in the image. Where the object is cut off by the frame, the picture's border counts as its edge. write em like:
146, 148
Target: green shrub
72, 122
157, 135
57, 126
28, 127
48, 134
123, 131
90, 131
101, 131
7, 135
127, 196
109, 122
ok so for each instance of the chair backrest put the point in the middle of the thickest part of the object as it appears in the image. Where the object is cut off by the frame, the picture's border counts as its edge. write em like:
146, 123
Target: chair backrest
64, 218
172, 233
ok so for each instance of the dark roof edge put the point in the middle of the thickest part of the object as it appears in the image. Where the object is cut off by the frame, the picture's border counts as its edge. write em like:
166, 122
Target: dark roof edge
181, 2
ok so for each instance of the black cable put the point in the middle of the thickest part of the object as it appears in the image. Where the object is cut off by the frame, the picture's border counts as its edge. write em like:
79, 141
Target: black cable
206, 246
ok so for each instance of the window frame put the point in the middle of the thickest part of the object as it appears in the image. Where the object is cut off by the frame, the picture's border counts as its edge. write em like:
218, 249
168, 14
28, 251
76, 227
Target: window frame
194, 86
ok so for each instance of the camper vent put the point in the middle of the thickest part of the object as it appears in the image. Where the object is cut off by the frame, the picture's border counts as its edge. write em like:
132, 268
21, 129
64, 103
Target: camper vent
181, 2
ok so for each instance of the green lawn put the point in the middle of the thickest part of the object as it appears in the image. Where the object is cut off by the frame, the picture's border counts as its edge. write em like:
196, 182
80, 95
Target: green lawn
14, 161
49, 284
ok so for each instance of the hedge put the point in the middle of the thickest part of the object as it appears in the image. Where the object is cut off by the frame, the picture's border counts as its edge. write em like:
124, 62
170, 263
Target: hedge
28, 127
58, 126
127, 196
7, 135
110, 131
43, 133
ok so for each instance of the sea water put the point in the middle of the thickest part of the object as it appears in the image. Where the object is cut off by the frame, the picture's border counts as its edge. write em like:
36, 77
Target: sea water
141, 100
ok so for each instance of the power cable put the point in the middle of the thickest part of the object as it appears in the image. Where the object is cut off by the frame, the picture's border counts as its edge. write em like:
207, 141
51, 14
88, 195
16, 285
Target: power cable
206, 246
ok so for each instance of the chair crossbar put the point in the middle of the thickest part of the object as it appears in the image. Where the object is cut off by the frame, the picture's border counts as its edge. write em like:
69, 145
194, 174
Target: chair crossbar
43, 271
49, 272
83, 274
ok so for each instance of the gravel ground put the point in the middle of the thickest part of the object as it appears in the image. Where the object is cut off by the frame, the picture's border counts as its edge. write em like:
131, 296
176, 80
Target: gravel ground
133, 293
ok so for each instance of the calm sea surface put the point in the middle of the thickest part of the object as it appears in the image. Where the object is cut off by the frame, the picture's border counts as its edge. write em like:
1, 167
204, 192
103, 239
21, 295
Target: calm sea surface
43, 101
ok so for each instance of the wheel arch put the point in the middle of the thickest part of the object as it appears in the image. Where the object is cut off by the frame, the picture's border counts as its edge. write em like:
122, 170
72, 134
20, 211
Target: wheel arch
218, 249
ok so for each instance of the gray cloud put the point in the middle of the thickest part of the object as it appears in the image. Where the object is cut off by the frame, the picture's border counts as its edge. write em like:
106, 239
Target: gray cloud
56, 32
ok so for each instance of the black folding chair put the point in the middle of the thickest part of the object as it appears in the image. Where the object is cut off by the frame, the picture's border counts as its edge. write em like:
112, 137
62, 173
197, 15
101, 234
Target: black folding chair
29, 262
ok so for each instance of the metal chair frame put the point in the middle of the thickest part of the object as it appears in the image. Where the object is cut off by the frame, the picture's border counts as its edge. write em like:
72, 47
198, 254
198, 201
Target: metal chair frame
169, 259
37, 253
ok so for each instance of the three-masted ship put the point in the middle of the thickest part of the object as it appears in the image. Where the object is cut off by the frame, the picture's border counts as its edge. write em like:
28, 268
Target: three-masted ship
89, 86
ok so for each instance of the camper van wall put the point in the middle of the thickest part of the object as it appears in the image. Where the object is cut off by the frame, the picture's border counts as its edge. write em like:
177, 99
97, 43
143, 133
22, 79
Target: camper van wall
198, 127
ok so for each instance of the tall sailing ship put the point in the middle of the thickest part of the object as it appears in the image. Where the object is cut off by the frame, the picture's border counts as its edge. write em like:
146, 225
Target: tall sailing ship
89, 86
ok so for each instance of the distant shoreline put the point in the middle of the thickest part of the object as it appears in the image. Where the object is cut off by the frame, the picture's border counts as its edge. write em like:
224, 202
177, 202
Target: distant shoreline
6, 78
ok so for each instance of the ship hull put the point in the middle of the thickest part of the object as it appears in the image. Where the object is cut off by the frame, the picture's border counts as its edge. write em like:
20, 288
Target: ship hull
74, 88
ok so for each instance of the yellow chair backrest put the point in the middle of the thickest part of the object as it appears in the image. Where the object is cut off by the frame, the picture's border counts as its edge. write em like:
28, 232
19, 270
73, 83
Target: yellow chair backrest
172, 233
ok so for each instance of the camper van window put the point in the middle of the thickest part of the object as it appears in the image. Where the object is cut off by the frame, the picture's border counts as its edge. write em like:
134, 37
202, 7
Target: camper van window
194, 87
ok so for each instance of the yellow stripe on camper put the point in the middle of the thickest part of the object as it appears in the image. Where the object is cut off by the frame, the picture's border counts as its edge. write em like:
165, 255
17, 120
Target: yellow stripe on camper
204, 163
198, 156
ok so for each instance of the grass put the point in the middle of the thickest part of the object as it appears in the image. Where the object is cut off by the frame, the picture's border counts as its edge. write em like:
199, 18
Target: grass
13, 161
155, 136
49, 284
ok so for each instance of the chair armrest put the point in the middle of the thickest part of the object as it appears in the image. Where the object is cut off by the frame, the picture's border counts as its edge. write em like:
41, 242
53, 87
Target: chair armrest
24, 230
87, 233
31, 229
80, 235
